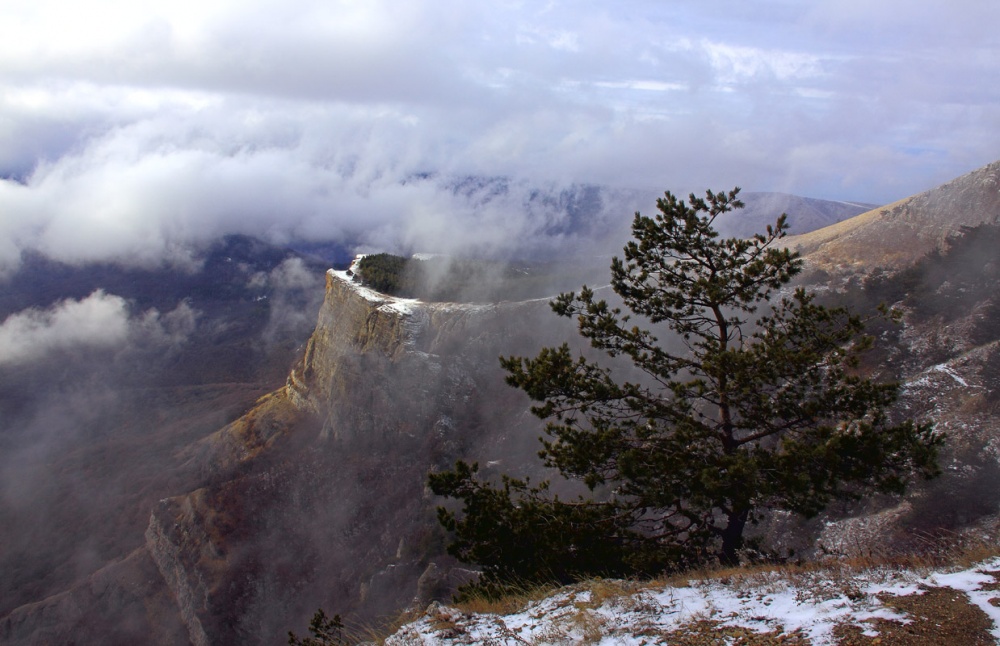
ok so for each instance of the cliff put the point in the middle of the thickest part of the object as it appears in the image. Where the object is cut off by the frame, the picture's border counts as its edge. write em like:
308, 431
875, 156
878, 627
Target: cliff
316, 496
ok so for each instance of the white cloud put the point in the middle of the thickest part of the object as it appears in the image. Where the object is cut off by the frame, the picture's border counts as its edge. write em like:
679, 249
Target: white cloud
100, 320
296, 293
735, 64
292, 274
164, 332
644, 85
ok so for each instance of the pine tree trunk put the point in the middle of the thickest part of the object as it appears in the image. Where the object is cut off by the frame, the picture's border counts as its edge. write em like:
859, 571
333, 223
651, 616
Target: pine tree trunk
732, 537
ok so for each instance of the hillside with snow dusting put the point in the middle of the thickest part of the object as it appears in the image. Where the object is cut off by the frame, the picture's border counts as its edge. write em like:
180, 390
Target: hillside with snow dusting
831, 606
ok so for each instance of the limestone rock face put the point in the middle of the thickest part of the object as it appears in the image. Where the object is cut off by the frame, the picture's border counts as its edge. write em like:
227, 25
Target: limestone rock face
372, 354
175, 539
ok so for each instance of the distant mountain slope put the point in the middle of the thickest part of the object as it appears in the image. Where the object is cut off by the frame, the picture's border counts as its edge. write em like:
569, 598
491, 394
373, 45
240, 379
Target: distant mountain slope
898, 234
592, 212
804, 213
89, 434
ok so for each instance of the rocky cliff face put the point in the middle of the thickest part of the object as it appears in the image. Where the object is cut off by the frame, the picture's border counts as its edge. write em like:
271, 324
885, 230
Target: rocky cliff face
316, 497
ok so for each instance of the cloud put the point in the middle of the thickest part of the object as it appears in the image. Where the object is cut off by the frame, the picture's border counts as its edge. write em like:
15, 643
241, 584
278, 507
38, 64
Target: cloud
135, 134
296, 293
164, 332
735, 64
99, 321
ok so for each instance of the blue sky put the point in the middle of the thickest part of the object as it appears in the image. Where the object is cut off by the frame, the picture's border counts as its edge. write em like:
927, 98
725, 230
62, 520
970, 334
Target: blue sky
128, 130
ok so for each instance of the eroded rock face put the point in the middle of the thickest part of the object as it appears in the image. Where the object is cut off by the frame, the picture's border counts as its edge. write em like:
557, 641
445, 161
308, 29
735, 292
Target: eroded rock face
316, 496
175, 539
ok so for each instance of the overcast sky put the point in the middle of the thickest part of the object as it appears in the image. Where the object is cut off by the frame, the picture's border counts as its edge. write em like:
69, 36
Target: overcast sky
129, 129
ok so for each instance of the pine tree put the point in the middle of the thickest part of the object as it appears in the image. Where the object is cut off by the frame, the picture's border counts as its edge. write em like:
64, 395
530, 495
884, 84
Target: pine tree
763, 407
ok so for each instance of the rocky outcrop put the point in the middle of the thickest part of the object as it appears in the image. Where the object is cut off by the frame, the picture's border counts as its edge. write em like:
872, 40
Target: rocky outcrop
371, 354
175, 538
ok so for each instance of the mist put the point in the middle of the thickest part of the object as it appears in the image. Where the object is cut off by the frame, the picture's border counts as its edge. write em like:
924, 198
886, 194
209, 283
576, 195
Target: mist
100, 390
98, 320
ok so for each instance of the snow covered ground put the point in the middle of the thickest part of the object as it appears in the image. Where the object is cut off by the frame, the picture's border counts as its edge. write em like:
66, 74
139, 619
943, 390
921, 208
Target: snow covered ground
805, 606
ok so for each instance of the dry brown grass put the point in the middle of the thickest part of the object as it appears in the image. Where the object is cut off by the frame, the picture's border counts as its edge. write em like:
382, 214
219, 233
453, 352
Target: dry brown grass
605, 591
363, 634
946, 550
517, 600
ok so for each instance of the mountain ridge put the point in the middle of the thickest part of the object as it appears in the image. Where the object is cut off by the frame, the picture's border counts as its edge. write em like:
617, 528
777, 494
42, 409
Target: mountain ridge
897, 234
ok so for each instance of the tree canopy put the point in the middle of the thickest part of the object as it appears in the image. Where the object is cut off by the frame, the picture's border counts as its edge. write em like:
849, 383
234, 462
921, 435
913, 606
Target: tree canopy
760, 406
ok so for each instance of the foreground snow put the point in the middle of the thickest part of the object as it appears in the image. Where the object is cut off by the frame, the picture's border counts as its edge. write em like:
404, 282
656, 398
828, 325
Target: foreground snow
809, 604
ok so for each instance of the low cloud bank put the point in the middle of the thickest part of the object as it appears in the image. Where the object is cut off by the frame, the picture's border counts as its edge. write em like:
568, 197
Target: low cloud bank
130, 198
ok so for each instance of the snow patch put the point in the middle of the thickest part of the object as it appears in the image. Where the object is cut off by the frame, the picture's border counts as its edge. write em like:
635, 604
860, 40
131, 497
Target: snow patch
926, 378
395, 304
948, 370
